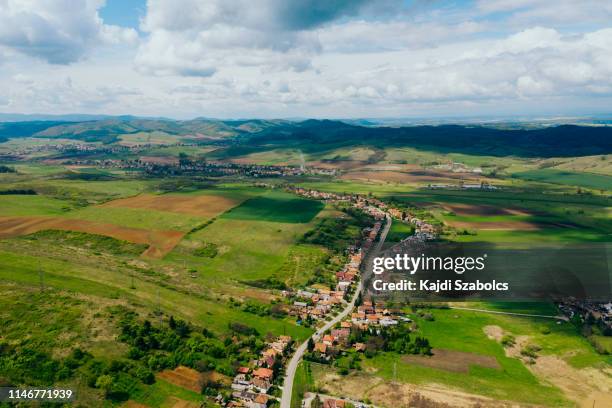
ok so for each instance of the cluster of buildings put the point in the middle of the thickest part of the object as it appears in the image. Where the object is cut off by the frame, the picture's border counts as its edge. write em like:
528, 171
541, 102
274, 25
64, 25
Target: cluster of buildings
374, 314
463, 186
375, 208
367, 316
458, 168
175, 166
251, 384
316, 304
600, 312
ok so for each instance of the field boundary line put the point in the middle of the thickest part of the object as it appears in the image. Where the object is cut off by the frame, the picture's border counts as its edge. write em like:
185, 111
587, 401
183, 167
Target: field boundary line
510, 313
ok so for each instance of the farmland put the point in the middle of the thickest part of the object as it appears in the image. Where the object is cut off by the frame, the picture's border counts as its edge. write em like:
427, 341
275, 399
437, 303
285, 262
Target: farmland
104, 243
492, 372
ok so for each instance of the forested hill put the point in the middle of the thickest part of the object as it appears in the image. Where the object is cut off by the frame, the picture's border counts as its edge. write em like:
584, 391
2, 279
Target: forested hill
564, 140
313, 135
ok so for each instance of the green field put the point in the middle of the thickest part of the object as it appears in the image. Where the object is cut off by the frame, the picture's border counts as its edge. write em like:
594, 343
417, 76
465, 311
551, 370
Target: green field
226, 274
398, 231
276, 207
463, 331
588, 180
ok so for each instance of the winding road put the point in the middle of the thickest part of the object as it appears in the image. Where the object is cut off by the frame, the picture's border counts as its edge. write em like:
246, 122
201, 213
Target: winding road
299, 353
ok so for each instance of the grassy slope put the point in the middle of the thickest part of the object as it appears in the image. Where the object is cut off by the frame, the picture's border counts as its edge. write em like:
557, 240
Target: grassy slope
589, 180
463, 331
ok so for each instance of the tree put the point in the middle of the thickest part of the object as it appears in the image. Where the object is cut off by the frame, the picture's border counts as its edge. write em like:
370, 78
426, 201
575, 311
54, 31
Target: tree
105, 383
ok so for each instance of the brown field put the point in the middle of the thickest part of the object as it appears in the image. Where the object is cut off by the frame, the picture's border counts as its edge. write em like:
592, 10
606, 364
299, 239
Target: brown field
481, 209
183, 377
160, 242
206, 206
413, 176
495, 226
383, 393
175, 402
451, 360
133, 404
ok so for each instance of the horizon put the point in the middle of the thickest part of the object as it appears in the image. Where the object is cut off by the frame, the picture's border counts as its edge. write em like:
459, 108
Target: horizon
7, 117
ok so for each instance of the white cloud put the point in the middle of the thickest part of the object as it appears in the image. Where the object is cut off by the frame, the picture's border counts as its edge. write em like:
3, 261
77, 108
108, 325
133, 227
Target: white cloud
305, 58
196, 38
58, 31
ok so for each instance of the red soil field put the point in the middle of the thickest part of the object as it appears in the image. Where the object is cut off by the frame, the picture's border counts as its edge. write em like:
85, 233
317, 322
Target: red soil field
451, 360
160, 242
202, 205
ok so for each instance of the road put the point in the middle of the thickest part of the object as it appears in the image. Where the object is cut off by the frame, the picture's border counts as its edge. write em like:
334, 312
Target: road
367, 274
299, 353
510, 313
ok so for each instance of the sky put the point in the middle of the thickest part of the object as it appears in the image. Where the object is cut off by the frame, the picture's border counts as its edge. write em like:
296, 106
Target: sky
306, 58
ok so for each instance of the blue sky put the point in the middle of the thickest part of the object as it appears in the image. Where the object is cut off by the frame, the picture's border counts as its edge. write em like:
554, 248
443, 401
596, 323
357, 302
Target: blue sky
306, 58
126, 13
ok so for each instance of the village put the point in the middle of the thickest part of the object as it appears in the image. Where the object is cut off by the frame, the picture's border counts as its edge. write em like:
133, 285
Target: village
252, 385
164, 166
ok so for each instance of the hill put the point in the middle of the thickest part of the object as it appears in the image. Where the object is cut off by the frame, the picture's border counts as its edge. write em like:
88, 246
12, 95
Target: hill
320, 135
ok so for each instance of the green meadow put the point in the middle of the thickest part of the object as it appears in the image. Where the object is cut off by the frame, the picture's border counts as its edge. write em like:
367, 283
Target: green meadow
275, 207
588, 180
463, 331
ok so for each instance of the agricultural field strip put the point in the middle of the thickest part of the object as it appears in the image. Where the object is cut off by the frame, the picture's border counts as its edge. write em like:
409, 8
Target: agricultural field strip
558, 317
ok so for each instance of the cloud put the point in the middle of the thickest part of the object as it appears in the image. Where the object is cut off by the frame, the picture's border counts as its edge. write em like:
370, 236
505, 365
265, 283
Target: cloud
58, 31
571, 12
194, 37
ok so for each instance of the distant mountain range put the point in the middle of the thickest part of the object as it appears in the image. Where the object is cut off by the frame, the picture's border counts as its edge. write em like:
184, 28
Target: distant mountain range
319, 135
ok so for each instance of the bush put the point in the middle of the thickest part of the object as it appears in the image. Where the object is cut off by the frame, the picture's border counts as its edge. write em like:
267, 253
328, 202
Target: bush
508, 340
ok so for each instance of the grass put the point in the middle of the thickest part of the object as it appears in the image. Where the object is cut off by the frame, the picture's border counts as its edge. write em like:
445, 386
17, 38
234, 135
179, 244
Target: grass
398, 231
514, 382
588, 180
137, 218
157, 394
93, 276
276, 207
155, 137
302, 383
29, 205
96, 243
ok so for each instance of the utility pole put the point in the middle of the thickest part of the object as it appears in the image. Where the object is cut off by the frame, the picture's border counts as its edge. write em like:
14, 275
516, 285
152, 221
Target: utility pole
159, 309
41, 278
395, 371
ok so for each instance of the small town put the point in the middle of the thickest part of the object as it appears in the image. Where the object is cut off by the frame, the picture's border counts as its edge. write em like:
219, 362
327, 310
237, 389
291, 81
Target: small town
315, 307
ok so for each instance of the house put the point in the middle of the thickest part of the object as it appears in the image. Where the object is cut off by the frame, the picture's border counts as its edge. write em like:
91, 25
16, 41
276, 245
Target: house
262, 384
260, 401
266, 361
387, 321
343, 286
240, 383
263, 373
360, 347
341, 334
346, 325
284, 339
244, 370
359, 317
333, 403
329, 340
372, 319
321, 348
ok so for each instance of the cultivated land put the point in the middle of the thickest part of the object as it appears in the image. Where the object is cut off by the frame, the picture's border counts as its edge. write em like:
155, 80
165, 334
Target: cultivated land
83, 242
